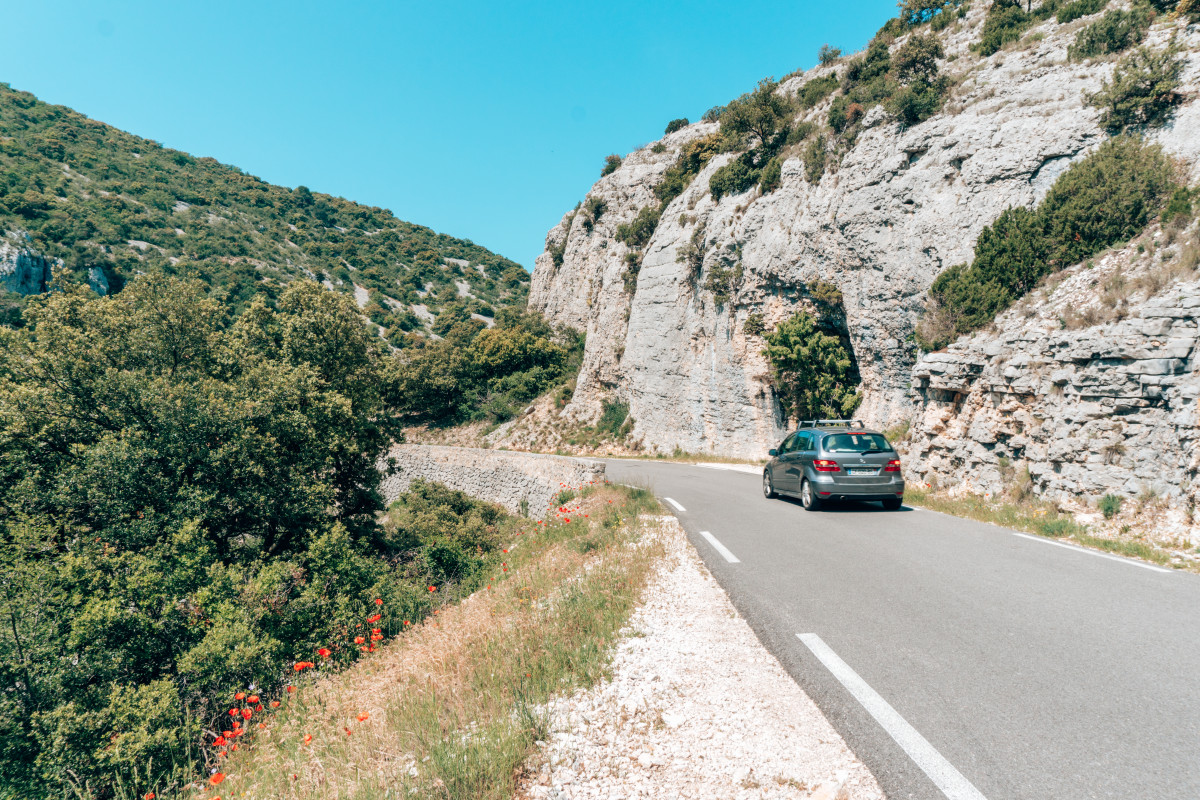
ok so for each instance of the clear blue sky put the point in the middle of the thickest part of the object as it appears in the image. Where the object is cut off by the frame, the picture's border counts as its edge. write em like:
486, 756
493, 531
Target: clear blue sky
482, 120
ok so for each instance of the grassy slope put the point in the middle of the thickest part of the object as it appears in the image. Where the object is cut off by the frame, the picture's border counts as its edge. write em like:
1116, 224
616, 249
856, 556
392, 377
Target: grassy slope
452, 705
83, 191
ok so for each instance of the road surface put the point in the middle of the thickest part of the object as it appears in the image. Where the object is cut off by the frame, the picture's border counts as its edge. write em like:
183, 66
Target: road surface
960, 660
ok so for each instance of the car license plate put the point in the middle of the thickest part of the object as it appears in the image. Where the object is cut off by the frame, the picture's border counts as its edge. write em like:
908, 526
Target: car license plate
861, 471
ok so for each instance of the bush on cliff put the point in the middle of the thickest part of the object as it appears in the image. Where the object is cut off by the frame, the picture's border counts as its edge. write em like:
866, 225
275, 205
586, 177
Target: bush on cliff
1106, 198
812, 370
1116, 31
1143, 89
190, 508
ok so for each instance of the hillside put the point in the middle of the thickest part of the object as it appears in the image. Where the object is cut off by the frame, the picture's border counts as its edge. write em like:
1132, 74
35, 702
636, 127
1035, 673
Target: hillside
109, 205
843, 192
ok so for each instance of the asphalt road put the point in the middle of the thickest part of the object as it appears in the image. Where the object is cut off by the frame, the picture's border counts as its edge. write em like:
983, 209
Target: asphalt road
1033, 670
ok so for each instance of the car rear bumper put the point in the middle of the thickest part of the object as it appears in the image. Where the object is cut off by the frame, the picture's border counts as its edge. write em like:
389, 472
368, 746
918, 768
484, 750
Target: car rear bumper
831, 491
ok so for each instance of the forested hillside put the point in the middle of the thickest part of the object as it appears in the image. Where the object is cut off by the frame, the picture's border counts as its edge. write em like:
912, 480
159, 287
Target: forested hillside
97, 197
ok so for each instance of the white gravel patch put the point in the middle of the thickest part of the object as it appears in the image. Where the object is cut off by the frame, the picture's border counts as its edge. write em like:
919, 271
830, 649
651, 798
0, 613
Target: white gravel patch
696, 708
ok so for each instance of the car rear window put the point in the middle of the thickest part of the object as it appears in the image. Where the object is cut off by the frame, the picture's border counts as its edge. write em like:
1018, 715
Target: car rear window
855, 443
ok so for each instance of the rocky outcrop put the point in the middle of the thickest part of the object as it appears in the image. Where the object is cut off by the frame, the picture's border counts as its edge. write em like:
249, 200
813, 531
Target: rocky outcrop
900, 206
1091, 386
524, 483
23, 271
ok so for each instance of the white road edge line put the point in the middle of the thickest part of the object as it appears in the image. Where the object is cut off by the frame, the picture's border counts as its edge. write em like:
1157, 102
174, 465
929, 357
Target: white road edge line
932, 763
720, 548
677, 506
1130, 561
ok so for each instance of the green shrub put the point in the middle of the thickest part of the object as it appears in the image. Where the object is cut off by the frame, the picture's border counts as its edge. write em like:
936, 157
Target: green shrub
916, 103
1005, 22
636, 234
1143, 89
754, 324
1179, 207
760, 114
772, 175
738, 176
676, 125
1116, 31
1110, 505
612, 163
814, 157
799, 132
658, 147
816, 90
1106, 198
613, 416
1080, 8
713, 114
1190, 10
692, 158
812, 370
723, 281
828, 54
593, 209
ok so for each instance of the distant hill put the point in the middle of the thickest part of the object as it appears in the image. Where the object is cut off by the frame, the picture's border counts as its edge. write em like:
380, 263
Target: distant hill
98, 198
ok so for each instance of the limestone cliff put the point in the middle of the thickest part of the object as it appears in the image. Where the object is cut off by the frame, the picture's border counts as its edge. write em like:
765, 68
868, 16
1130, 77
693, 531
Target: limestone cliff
22, 271
881, 223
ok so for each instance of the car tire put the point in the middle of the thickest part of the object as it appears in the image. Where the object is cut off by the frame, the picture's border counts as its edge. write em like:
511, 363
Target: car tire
808, 498
893, 504
768, 487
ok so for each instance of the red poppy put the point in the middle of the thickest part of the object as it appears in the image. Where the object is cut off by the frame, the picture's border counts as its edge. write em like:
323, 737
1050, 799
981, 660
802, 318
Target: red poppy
217, 778
148, 796
359, 640
291, 689
217, 742
252, 699
433, 588
274, 704
374, 618
239, 695
378, 601
233, 712
363, 717
323, 652
348, 731
406, 622
247, 713
308, 738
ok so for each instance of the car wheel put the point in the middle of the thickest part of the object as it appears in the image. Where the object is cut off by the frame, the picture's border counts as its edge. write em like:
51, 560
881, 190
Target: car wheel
893, 504
808, 498
768, 487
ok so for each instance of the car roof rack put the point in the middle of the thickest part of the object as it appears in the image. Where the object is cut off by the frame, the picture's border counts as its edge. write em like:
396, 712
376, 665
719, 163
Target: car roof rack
832, 423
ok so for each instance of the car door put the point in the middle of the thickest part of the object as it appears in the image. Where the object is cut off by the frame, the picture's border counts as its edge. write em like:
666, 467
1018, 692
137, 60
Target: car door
805, 453
785, 473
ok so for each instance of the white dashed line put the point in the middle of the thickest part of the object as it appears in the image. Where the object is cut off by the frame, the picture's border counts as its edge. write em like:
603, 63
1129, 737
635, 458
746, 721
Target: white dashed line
1129, 561
677, 506
720, 548
932, 763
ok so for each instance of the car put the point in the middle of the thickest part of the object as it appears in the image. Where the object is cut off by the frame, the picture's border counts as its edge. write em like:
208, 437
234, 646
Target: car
835, 460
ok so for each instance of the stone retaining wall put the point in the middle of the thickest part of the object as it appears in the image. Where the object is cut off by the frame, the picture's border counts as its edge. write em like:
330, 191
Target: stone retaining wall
498, 476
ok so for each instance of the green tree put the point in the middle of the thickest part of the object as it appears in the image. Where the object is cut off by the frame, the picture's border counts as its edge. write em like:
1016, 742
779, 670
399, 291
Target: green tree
828, 54
611, 163
1143, 89
676, 125
760, 113
812, 370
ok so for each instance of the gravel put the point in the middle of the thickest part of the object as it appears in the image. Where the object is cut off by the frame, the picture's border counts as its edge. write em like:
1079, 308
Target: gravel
696, 708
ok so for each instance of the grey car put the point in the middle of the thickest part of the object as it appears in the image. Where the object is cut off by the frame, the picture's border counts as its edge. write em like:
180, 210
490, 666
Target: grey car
835, 460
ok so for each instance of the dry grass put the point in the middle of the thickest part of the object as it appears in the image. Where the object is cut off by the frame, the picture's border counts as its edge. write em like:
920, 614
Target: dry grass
452, 705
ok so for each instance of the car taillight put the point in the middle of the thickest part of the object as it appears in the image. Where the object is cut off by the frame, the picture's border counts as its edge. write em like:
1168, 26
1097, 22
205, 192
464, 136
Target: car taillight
892, 466
825, 465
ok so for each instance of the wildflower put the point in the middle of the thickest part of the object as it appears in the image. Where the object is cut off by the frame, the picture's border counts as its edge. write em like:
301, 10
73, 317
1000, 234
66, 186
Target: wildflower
216, 778
406, 622
378, 601
262, 726
247, 713
506, 550
323, 652
359, 640
291, 689
239, 695
568, 519
363, 717
233, 712
308, 739
222, 754
148, 796
433, 588
348, 731
377, 617
217, 742
252, 699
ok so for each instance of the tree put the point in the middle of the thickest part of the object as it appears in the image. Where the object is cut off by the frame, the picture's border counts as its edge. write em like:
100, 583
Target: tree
916, 12
916, 60
812, 370
1143, 89
760, 113
611, 164
828, 54
676, 125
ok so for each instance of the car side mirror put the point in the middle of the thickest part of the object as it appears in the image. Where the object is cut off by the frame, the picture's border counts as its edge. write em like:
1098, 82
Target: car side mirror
772, 452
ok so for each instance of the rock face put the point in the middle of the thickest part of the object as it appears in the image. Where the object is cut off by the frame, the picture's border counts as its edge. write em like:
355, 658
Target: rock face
21, 270
1088, 409
900, 206
521, 482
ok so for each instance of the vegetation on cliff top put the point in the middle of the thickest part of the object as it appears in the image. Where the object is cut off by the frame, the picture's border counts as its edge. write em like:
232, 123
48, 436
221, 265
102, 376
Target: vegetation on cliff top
95, 196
